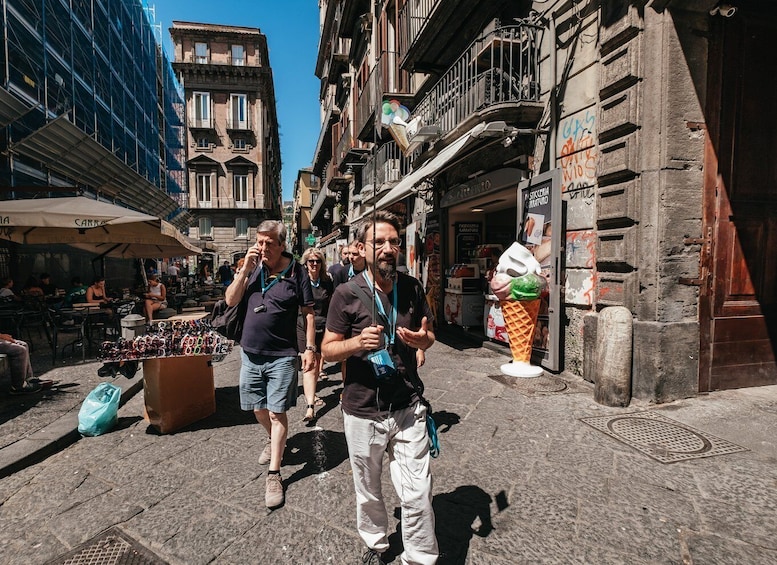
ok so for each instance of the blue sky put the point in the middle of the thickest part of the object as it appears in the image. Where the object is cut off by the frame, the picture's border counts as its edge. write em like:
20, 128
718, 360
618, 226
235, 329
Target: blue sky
291, 27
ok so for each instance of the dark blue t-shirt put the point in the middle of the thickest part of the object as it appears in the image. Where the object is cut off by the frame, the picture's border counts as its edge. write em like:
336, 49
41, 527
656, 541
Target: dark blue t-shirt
273, 330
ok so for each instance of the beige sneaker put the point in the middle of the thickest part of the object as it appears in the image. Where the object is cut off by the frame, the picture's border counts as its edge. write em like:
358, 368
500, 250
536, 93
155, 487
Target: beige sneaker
264, 457
273, 494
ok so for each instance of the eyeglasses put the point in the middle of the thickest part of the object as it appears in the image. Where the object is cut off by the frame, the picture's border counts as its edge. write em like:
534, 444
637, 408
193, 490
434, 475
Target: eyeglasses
393, 242
314, 261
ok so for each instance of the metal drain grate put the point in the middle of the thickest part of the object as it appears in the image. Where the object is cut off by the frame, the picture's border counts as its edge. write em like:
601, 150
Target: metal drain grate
531, 385
661, 438
112, 547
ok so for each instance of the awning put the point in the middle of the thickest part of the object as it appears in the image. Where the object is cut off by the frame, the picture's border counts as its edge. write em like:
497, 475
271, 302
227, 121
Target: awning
428, 169
65, 149
11, 108
95, 226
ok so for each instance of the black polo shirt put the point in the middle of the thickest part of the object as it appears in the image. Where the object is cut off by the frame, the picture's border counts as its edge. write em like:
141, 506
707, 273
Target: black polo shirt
273, 330
363, 394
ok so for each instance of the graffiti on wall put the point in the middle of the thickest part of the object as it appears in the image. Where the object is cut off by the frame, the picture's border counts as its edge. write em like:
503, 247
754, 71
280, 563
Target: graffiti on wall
578, 154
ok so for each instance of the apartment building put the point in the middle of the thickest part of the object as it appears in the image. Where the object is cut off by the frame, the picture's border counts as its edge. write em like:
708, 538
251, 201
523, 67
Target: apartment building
622, 142
306, 190
232, 146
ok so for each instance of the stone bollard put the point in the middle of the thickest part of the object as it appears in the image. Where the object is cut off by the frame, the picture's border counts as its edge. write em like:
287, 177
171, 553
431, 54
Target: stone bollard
613, 357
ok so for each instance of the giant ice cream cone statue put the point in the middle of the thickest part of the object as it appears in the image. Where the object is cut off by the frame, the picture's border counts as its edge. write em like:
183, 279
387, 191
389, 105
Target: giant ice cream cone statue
518, 285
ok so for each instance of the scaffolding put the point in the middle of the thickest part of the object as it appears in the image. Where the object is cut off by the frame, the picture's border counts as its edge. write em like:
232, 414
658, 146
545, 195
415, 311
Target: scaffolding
99, 64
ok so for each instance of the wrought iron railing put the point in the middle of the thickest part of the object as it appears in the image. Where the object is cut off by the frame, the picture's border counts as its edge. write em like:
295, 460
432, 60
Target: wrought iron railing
502, 67
367, 102
414, 16
386, 167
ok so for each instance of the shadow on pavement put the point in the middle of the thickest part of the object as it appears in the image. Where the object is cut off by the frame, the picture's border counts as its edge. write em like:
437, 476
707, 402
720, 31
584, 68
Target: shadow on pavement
318, 450
459, 515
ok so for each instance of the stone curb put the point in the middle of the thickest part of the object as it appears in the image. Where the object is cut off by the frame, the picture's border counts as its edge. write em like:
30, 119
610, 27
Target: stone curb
57, 435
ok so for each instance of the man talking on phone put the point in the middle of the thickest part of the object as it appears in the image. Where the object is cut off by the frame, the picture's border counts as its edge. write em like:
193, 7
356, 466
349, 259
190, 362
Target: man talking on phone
275, 288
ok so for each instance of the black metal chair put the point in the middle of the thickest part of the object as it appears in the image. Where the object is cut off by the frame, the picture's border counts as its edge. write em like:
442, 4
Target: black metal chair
64, 323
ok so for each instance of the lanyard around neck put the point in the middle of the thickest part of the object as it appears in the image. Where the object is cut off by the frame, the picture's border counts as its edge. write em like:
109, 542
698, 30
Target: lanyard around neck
273, 281
351, 274
390, 322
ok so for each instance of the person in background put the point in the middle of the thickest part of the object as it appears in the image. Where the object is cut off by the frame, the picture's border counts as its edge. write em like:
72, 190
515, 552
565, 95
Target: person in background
335, 270
321, 285
22, 381
49, 288
274, 287
96, 292
239, 266
32, 287
156, 297
225, 274
382, 409
172, 271
7, 294
77, 292
205, 277
357, 265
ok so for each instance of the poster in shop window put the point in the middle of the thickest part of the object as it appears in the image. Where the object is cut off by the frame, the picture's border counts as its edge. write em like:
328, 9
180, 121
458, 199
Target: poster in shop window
540, 230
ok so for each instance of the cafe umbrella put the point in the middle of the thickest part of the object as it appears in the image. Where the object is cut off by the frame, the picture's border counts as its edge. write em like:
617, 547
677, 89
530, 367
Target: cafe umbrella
91, 225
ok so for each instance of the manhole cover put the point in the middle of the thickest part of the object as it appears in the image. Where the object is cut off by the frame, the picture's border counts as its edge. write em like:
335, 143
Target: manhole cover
531, 385
661, 438
112, 547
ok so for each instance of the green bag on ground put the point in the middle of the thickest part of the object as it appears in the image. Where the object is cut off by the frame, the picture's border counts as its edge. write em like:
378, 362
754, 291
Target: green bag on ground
100, 410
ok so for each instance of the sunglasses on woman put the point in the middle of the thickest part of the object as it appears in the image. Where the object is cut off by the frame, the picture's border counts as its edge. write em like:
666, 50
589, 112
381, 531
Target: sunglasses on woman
314, 261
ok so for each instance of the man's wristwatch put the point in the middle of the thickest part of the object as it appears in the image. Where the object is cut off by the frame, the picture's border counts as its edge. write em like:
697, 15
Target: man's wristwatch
312, 348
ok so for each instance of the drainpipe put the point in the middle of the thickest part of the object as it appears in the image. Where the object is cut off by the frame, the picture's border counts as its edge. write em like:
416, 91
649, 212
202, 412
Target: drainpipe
553, 93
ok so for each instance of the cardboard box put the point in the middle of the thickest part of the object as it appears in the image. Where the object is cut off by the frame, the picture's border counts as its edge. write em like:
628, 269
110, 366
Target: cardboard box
178, 391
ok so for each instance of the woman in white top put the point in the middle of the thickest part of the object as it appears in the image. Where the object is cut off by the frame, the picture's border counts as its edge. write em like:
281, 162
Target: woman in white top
156, 297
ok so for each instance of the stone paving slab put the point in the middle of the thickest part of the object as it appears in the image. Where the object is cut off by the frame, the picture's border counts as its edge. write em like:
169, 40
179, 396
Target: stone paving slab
520, 480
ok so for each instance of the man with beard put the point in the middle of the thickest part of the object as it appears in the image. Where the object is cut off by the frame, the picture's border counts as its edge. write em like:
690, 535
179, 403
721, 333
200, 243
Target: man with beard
382, 411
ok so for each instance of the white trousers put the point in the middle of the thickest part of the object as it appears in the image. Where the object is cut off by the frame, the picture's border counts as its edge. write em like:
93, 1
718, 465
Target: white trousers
401, 433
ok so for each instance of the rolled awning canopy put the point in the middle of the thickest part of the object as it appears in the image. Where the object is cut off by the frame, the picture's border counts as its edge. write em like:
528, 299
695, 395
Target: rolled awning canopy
62, 147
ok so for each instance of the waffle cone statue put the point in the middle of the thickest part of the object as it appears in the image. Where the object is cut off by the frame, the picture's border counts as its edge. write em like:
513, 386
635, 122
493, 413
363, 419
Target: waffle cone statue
518, 285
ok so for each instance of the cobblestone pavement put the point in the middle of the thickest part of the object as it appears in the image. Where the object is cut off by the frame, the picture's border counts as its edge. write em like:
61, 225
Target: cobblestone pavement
521, 479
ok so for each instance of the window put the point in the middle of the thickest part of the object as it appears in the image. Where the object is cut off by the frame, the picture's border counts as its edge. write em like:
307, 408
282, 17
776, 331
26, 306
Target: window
241, 228
201, 109
206, 227
239, 111
203, 143
203, 191
201, 53
240, 191
238, 56
313, 197
240, 143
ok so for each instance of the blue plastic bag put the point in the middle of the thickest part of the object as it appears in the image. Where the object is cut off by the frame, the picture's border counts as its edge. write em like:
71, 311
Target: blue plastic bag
100, 410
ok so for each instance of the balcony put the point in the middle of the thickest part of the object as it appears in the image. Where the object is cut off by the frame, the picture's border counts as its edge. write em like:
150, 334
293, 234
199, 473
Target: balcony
236, 124
433, 32
200, 123
497, 77
386, 80
367, 105
382, 171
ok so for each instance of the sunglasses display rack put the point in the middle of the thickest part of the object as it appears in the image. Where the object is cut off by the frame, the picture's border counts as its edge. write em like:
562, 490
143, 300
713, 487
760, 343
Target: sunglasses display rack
169, 339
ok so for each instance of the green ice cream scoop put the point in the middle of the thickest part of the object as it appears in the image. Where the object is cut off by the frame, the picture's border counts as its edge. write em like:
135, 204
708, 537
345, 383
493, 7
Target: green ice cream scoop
526, 287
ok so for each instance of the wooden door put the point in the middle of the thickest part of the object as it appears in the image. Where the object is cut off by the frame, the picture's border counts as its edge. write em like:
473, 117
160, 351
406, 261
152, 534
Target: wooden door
738, 301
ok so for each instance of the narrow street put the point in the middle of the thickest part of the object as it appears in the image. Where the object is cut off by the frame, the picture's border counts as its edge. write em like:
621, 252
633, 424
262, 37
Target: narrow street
521, 479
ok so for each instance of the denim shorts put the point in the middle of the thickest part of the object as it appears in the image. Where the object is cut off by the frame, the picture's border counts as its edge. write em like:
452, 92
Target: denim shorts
268, 382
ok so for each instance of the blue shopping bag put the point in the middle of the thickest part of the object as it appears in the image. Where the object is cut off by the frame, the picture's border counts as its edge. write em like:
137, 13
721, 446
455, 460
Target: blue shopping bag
100, 410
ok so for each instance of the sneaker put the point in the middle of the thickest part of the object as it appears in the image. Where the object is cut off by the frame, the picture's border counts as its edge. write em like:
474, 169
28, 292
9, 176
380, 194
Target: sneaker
273, 494
264, 458
372, 557
26, 388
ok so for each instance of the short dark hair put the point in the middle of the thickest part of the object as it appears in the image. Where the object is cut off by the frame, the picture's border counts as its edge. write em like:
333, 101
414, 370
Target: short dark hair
380, 217
45, 276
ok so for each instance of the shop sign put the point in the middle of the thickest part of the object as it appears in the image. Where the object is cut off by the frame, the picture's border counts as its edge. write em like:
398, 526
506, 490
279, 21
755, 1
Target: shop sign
468, 237
540, 230
480, 185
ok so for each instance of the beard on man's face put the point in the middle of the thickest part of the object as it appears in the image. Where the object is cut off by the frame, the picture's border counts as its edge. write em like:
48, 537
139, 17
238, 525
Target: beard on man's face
387, 267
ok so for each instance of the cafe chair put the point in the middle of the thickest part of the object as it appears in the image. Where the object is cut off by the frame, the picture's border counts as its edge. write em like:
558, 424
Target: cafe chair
63, 325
